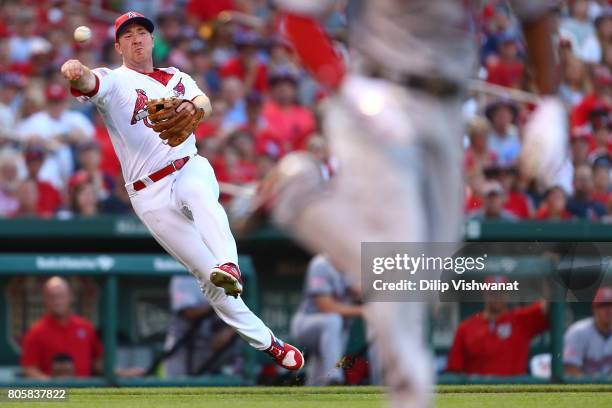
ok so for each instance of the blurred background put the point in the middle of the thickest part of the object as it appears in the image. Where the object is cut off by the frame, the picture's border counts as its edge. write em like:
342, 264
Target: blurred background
64, 210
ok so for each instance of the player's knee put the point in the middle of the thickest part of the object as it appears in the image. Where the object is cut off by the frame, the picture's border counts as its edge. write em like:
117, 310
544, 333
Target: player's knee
333, 322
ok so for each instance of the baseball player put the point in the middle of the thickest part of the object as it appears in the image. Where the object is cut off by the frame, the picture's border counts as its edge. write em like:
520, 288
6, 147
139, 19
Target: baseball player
150, 114
395, 125
321, 323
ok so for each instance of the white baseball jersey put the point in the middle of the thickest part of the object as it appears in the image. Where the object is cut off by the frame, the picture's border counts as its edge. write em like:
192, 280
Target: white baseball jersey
121, 97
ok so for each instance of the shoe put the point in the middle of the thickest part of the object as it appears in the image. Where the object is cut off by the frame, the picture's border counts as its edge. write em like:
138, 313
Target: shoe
285, 355
228, 277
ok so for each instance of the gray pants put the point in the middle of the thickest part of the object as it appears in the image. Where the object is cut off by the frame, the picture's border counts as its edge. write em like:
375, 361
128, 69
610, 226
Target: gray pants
324, 336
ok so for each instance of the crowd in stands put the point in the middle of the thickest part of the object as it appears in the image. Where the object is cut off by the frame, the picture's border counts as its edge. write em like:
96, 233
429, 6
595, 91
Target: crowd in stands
56, 158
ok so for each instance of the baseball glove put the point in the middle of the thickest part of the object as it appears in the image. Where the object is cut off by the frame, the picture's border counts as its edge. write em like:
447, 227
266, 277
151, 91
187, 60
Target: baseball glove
173, 127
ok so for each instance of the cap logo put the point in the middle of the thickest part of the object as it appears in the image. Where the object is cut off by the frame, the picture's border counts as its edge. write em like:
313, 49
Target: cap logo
131, 14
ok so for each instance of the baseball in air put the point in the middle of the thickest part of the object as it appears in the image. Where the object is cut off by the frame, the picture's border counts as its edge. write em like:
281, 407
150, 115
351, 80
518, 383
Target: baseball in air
82, 34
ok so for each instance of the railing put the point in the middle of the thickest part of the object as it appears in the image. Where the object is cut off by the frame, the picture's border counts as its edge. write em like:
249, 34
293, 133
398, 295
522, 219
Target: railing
113, 233
111, 269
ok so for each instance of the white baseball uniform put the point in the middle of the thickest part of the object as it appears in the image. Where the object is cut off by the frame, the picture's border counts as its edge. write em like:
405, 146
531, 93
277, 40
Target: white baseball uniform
181, 210
399, 149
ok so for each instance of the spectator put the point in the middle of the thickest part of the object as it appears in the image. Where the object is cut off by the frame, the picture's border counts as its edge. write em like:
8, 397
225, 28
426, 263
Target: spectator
33, 44
479, 154
169, 33
60, 332
232, 92
578, 24
109, 163
588, 342
575, 82
82, 197
517, 202
27, 199
581, 204
600, 124
493, 204
205, 72
321, 322
222, 44
9, 181
497, 21
11, 86
90, 163
247, 66
553, 205
600, 98
58, 130
601, 181
49, 199
474, 190
580, 145
265, 140
504, 138
507, 69
281, 55
197, 339
255, 123
289, 124
179, 55
496, 340
591, 51
245, 169
24, 40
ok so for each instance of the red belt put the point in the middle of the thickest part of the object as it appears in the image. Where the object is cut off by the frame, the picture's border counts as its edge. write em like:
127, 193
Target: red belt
163, 172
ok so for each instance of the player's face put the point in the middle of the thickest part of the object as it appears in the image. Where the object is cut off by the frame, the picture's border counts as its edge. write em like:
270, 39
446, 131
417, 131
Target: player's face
603, 316
135, 44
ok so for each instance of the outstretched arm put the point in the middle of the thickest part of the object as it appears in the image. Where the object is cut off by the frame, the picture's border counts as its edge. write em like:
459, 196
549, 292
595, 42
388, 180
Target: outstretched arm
538, 35
80, 76
544, 149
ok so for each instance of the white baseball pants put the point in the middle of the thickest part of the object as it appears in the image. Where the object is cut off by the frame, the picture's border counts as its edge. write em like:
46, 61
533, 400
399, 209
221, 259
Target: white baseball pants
183, 214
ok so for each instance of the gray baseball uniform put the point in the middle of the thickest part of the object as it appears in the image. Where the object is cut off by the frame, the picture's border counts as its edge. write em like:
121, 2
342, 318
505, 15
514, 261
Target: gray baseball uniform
324, 335
588, 349
398, 143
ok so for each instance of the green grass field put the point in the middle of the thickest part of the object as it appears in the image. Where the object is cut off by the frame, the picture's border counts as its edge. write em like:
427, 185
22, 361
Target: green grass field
520, 396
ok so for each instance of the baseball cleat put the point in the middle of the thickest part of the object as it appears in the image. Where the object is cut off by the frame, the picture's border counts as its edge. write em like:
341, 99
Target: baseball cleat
228, 277
285, 355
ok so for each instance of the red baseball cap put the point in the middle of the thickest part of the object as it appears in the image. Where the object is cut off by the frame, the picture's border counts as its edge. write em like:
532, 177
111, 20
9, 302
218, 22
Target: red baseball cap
56, 92
603, 296
132, 17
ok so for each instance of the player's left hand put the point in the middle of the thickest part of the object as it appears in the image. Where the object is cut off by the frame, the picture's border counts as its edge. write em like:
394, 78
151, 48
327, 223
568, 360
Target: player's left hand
186, 105
545, 141
175, 119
